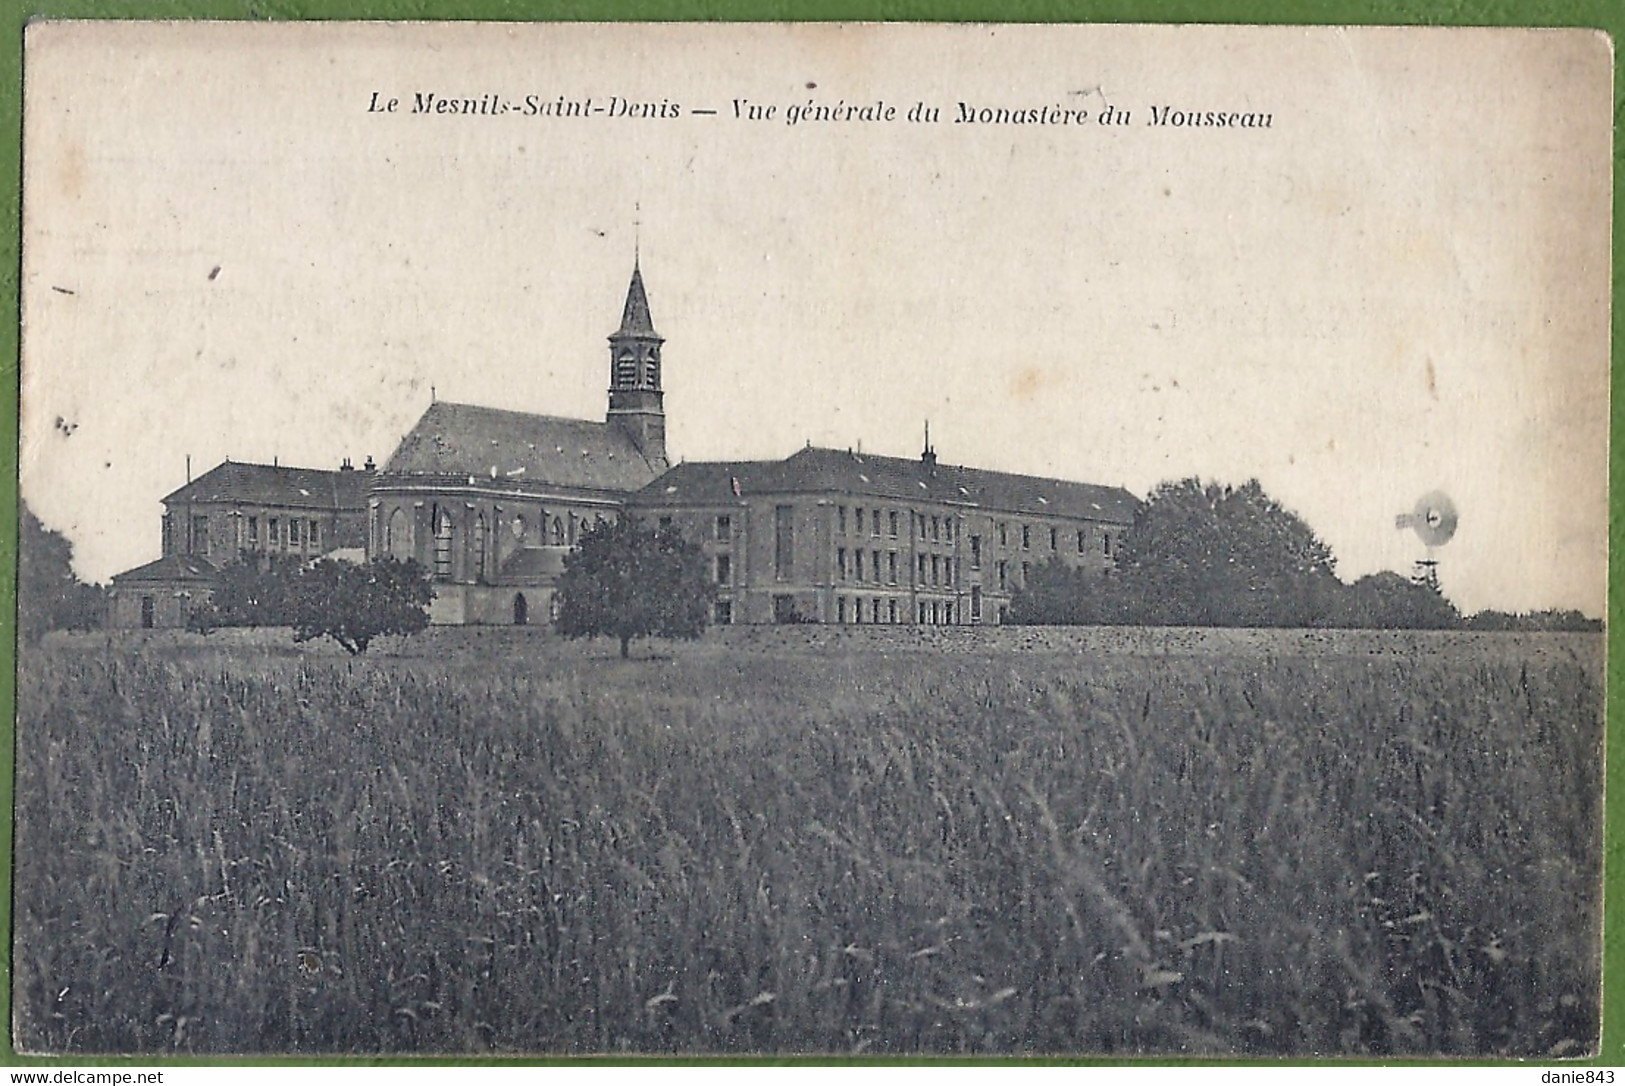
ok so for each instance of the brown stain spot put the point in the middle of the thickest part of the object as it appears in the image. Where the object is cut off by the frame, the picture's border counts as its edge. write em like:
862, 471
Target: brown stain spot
1433, 383
70, 170
214, 273
1025, 384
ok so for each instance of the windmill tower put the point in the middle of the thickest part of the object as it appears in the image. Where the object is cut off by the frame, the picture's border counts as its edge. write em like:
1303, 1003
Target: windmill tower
1434, 520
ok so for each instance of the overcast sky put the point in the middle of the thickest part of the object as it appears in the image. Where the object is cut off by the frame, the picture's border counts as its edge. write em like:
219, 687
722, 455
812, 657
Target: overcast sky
1399, 285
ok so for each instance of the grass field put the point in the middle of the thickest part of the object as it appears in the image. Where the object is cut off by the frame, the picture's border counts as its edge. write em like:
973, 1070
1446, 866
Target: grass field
812, 840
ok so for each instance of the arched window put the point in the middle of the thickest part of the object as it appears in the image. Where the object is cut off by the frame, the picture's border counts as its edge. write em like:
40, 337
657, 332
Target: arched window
396, 542
479, 547
442, 546
651, 368
558, 532
626, 370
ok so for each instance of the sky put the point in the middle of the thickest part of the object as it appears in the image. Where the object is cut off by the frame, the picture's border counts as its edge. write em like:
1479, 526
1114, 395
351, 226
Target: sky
1399, 285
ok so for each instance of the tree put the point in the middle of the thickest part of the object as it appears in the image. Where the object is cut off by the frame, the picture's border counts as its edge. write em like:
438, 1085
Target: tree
1056, 594
628, 581
50, 596
356, 604
1388, 601
1209, 555
255, 590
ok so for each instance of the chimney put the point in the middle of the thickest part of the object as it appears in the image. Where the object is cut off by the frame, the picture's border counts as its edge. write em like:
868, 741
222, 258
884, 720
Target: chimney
346, 466
928, 456
369, 465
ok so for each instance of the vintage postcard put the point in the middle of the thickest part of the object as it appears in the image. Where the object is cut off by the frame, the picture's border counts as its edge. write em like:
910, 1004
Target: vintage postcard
820, 539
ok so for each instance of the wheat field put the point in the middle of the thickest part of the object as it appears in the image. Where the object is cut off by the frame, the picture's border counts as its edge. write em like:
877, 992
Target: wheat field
1103, 842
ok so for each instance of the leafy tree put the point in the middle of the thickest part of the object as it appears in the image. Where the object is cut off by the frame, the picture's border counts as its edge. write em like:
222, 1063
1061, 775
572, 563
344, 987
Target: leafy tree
1541, 621
1209, 555
255, 590
628, 581
1388, 601
50, 596
356, 604
1056, 594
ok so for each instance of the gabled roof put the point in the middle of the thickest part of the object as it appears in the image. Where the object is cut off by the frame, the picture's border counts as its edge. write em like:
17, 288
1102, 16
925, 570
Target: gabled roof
173, 567
835, 471
268, 484
454, 439
635, 318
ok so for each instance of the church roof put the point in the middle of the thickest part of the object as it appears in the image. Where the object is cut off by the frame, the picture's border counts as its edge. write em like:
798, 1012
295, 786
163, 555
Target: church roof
635, 318
520, 449
270, 484
838, 471
172, 567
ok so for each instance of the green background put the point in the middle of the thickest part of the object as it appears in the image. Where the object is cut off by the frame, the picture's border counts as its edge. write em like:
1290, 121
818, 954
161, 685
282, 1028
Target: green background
1607, 15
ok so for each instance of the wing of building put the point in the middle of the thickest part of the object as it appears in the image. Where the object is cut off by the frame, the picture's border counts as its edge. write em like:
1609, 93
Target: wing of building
490, 501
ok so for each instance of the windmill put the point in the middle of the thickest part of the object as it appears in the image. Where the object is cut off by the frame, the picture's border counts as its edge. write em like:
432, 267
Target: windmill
1434, 520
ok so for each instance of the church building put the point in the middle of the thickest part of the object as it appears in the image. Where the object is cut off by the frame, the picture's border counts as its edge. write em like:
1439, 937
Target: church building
490, 501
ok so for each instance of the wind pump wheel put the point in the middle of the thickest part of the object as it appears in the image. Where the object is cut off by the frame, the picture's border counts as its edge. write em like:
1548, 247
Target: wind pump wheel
1434, 520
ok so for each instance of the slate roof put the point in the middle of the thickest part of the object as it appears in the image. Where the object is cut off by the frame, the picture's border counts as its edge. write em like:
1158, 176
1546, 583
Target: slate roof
454, 439
268, 484
815, 470
174, 567
635, 318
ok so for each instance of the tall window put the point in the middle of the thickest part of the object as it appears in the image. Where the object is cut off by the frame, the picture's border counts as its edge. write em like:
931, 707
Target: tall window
558, 532
1106, 544
1052, 540
874, 522
293, 532
975, 552
1004, 535
315, 536
936, 527
254, 531
891, 567
396, 542
860, 521
651, 370
442, 546
479, 547
840, 561
891, 523
857, 564
626, 370
1003, 574
840, 519
1026, 537
200, 536
725, 529
874, 566
784, 541
1083, 539
724, 569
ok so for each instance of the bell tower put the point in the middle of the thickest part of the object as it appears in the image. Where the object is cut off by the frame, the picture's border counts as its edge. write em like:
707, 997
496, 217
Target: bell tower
636, 404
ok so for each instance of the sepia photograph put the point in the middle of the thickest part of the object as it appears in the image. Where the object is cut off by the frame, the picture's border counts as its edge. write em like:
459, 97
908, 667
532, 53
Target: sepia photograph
813, 540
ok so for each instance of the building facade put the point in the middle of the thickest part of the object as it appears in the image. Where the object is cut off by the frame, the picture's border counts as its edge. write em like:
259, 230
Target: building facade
842, 537
490, 501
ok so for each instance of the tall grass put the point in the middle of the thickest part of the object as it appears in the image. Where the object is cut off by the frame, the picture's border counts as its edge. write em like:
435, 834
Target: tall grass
544, 851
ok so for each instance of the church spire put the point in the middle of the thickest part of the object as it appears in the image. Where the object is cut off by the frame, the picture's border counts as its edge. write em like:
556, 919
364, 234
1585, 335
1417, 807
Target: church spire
635, 400
635, 319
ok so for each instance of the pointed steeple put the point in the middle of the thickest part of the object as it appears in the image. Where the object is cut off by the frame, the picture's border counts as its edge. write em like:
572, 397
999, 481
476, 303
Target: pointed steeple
635, 319
635, 399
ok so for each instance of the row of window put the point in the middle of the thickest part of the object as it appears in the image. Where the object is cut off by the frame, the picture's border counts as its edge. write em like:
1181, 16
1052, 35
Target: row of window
279, 532
941, 529
877, 611
933, 569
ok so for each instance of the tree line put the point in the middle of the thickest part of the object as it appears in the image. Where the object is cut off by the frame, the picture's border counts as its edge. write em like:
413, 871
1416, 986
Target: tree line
1205, 554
